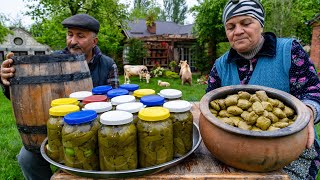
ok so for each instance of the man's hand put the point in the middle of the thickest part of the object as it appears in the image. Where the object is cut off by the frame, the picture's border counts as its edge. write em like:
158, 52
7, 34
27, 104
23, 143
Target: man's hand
6, 70
310, 128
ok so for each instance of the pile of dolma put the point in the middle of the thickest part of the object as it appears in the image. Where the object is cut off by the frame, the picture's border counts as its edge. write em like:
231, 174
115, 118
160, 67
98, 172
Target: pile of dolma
256, 112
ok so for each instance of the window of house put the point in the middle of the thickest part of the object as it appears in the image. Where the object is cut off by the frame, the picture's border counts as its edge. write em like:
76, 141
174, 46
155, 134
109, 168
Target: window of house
185, 53
18, 41
20, 53
39, 53
125, 55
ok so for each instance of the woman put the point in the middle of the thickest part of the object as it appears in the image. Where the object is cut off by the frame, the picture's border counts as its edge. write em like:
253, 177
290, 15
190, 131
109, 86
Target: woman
263, 59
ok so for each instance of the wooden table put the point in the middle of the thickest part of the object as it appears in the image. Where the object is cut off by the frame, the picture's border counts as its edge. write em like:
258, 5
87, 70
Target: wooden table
199, 165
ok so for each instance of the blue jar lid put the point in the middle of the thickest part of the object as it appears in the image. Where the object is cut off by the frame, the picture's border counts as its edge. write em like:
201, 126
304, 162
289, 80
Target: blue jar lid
117, 92
152, 100
80, 117
129, 87
101, 89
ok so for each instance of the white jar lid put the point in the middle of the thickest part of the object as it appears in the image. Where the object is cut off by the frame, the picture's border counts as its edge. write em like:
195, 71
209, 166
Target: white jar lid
178, 106
80, 95
99, 107
132, 107
122, 99
170, 93
116, 118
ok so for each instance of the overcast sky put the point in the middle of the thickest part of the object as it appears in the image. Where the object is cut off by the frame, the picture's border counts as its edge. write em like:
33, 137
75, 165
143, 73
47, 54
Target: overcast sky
14, 9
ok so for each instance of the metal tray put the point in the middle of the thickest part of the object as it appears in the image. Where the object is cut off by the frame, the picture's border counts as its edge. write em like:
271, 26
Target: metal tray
127, 173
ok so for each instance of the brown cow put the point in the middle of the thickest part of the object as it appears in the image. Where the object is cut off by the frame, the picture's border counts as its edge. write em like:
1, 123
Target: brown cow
135, 70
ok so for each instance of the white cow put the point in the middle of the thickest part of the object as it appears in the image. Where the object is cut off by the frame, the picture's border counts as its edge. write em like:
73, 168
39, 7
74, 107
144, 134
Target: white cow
135, 70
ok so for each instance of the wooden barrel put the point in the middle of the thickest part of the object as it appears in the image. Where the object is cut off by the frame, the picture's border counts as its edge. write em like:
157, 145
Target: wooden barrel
38, 80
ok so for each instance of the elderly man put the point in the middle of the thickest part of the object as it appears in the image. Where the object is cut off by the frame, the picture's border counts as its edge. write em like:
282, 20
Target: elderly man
81, 39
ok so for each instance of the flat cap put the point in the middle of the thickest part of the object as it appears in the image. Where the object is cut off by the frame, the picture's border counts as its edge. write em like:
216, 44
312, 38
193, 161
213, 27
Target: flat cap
83, 21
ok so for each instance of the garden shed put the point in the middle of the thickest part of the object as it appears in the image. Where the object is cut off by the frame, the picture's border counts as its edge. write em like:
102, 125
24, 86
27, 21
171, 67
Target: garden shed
315, 42
165, 42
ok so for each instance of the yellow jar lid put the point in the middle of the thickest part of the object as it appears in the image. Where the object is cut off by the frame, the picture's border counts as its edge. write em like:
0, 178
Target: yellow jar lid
63, 110
64, 101
154, 114
143, 92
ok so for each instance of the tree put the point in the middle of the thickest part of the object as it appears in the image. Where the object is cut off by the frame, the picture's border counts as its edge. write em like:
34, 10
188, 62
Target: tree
3, 30
208, 24
50, 13
139, 4
136, 52
287, 18
144, 7
174, 10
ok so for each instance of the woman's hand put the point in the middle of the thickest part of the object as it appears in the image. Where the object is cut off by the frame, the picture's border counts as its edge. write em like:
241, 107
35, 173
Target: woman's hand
6, 70
310, 128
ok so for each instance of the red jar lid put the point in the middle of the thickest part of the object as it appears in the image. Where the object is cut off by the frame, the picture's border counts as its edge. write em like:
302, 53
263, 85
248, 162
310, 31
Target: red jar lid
95, 98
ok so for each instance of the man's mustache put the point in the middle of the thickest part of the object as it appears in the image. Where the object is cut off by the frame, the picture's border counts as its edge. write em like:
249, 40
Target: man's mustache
74, 46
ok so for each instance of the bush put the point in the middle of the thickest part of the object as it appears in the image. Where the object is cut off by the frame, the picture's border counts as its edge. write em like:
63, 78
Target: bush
136, 51
171, 74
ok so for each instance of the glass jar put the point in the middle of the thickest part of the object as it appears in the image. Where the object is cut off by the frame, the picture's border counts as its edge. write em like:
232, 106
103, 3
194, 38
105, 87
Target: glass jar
143, 92
80, 140
117, 142
80, 95
64, 101
122, 99
155, 136
98, 107
54, 128
182, 121
171, 94
94, 98
152, 100
117, 92
101, 90
133, 108
130, 87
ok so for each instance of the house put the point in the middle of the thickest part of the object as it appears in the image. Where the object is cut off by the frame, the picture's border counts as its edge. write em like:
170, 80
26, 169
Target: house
315, 41
22, 43
165, 41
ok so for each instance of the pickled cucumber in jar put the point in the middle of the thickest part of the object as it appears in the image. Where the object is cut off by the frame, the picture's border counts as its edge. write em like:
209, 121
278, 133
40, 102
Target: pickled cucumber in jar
155, 136
80, 140
182, 121
54, 128
133, 108
117, 142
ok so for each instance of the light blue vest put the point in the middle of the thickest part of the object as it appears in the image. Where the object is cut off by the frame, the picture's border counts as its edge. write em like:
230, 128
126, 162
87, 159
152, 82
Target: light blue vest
270, 71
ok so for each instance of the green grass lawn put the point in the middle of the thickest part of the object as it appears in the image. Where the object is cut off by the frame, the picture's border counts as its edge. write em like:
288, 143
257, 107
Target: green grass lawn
10, 142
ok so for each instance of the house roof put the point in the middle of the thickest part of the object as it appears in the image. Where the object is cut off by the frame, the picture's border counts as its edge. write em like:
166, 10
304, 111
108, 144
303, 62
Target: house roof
138, 28
313, 20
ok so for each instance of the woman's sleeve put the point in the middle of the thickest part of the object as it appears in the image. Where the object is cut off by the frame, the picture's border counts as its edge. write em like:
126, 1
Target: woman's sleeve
304, 80
214, 80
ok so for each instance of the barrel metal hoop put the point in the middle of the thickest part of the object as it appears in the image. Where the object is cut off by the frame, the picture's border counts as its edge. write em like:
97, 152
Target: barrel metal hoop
31, 59
49, 79
32, 129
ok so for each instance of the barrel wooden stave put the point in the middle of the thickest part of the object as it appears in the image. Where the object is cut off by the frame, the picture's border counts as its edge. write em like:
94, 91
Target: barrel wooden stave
31, 102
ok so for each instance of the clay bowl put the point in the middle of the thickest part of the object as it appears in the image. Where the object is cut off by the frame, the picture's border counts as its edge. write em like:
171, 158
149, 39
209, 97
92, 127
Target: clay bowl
257, 151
